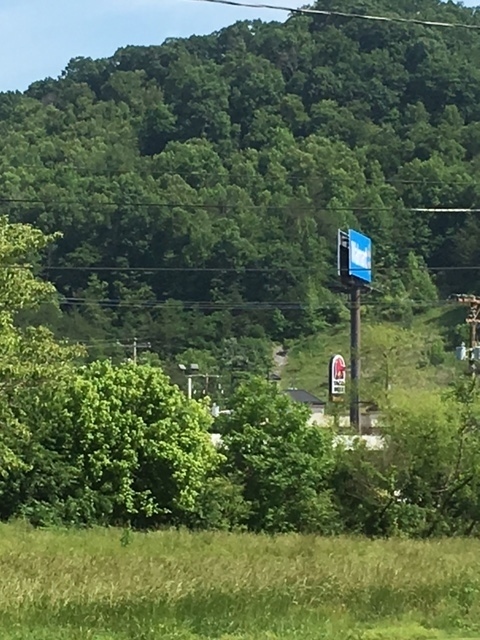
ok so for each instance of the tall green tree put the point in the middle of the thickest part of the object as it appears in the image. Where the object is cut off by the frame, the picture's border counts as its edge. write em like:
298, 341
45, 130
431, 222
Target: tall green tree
114, 445
283, 464
30, 357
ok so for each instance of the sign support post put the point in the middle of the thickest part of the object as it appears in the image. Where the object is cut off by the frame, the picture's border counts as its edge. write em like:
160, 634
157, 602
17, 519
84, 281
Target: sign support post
355, 356
355, 271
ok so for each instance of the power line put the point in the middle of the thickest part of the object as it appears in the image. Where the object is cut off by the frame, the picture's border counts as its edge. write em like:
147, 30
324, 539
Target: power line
180, 205
439, 210
207, 174
228, 206
222, 306
193, 304
46, 269
238, 270
342, 14
115, 342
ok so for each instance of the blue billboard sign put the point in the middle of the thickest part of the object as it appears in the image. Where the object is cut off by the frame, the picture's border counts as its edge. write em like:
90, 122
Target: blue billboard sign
359, 256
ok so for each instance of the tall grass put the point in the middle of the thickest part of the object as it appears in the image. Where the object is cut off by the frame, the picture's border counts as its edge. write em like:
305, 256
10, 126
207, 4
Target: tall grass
103, 584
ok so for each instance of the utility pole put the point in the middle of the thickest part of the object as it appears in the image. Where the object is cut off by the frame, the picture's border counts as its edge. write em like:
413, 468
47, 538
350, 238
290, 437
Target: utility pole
355, 356
135, 346
473, 320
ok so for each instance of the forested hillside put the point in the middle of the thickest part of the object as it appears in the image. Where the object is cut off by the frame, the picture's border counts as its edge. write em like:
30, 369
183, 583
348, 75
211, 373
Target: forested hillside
199, 184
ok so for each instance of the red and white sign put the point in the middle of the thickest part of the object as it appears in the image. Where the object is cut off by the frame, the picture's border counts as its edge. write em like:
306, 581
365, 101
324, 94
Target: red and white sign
338, 375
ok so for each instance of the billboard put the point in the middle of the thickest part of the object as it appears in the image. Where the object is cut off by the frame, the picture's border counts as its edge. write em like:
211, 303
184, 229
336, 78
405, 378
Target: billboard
337, 376
359, 256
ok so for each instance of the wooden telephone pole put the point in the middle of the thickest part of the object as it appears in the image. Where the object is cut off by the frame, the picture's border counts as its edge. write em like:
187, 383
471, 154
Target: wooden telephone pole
135, 346
473, 320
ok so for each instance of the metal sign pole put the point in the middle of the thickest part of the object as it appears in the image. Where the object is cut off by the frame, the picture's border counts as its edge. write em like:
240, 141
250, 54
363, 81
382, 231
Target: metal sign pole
355, 357
355, 271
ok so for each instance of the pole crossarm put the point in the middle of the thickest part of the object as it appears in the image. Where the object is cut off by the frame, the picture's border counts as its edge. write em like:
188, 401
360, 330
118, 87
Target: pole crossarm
474, 303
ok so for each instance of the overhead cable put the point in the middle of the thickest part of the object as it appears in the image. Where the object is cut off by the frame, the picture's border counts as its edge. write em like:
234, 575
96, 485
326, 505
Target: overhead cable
228, 206
89, 173
47, 269
342, 14
239, 270
206, 305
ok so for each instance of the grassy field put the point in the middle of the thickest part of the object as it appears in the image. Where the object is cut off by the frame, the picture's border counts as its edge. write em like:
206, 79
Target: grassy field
105, 585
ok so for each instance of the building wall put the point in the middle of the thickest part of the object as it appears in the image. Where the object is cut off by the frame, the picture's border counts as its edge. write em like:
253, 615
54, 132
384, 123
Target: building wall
368, 421
317, 415
329, 421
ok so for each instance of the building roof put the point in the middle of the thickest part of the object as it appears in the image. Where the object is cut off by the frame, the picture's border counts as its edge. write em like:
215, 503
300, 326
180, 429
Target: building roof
300, 395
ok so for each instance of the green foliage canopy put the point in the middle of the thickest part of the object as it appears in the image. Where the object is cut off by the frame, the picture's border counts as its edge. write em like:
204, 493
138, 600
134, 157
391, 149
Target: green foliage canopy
115, 445
281, 461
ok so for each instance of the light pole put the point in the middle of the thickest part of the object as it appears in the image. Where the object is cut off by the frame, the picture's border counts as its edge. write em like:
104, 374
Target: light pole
191, 369
193, 372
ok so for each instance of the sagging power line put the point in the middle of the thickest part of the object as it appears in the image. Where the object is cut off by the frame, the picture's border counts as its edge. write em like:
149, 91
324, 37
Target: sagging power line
45, 270
343, 14
222, 206
206, 305
239, 270
136, 171
225, 207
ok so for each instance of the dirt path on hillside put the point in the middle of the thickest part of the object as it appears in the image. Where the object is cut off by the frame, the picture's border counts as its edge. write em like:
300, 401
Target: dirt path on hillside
280, 360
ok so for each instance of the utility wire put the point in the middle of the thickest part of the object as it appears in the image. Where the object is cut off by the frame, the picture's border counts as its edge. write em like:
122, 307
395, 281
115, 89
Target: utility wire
98, 343
221, 306
113, 341
180, 205
226, 207
342, 14
207, 174
46, 269
239, 270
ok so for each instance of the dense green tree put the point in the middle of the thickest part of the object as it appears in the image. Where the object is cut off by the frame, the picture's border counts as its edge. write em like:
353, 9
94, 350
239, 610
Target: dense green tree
283, 463
112, 445
30, 358
425, 480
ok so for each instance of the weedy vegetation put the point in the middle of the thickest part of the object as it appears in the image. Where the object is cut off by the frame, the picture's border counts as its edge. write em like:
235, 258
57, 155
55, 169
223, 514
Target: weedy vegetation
102, 585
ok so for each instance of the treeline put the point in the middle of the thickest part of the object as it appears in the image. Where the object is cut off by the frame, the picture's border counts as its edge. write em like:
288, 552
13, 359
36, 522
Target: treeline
200, 183
121, 446
105, 444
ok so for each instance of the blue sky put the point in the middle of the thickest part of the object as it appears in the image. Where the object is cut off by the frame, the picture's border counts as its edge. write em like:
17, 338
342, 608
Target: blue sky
39, 37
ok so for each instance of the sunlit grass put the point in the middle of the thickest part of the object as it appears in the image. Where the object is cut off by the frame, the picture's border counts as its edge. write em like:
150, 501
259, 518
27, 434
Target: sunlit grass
103, 585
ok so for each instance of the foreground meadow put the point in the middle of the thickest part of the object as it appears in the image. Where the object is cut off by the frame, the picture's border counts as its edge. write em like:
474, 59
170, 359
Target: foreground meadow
114, 585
